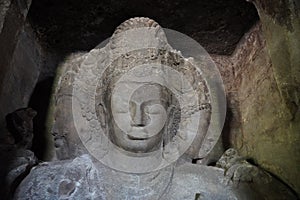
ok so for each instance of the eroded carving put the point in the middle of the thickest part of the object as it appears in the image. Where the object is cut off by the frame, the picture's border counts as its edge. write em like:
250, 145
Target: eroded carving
143, 110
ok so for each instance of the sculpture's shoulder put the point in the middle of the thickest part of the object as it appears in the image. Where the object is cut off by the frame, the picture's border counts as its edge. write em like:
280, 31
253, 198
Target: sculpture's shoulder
84, 178
69, 179
193, 181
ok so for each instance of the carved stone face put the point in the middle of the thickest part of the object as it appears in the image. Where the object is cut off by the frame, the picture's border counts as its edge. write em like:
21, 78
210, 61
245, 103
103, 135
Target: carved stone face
138, 93
138, 126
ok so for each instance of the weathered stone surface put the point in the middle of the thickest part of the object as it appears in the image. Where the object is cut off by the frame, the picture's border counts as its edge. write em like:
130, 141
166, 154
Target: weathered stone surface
192, 181
264, 108
58, 180
237, 169
15, 157
66, 141
237, 179
281, 29
120, 55
20, 126
260, 122
4, 6
20, 77
15, 165
20, 59
82, 179
283, 49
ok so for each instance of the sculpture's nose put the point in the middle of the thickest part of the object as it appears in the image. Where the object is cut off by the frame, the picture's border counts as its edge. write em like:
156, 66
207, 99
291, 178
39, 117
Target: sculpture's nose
138, 118
137, 115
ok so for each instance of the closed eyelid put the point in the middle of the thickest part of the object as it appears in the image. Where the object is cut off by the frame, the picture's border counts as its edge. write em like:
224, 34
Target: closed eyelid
155, 110
151, 102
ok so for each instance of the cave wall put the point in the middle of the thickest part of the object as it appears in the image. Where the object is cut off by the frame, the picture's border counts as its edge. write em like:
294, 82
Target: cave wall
270, 114
21, 59
262, 80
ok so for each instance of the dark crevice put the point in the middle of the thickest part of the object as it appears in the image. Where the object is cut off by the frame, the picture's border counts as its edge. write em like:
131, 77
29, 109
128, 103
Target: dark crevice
39, 101
226, 129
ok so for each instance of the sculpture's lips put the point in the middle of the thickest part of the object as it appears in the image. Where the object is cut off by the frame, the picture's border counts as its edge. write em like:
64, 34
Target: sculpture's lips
134, 138
140, 133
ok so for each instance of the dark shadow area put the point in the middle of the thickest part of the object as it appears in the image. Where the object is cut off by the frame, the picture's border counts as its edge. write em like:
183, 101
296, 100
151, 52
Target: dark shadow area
39, 101
226, 129
78, 25
6, 160
16, 159
282, 182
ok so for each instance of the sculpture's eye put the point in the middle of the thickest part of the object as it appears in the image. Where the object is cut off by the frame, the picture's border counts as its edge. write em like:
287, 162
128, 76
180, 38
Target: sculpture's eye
155, 109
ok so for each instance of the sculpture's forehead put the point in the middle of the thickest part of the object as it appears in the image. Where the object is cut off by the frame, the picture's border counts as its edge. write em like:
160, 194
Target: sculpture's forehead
142, 93
147, 93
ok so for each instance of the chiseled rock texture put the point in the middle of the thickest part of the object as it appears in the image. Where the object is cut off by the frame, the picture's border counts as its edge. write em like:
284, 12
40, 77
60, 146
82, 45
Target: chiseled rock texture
62, 180
15, 165
82, 179
16, 159
20, 61
261, 77
262, 81
281, 28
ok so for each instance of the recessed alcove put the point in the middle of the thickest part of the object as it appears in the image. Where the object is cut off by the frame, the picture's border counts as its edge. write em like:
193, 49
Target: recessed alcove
253, 44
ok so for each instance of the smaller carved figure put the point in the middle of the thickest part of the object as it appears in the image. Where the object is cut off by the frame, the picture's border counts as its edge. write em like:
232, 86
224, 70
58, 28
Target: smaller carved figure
237, 169
16, 159
20, 125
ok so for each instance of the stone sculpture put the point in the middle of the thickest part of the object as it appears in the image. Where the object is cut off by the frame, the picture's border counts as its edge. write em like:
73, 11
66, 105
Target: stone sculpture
20, 125
143, 111
154, 51
16, 158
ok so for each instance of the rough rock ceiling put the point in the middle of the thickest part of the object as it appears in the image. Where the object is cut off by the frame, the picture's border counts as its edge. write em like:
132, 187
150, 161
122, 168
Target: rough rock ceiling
66, 26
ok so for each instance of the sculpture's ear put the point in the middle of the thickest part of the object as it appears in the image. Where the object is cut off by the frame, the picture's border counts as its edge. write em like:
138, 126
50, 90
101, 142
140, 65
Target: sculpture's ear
169, 126
202, 132
102, 114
